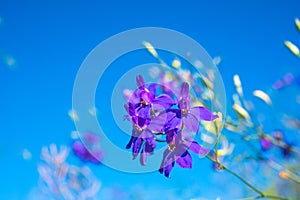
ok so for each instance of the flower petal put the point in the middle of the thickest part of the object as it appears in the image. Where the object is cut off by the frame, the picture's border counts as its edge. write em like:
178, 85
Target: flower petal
165, 100
149, 147
203, 113
196, 148
137, 144
184, 90
140, 81
168, 169
129, 145
191, 122
152, 89
157, 123
185, 160
143, 156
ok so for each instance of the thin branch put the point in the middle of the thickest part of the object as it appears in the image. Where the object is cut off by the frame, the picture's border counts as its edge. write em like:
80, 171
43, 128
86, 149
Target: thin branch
261, 194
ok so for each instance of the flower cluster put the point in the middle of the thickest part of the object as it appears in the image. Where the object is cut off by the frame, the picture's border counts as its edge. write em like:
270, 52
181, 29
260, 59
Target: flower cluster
155, 113
60, 180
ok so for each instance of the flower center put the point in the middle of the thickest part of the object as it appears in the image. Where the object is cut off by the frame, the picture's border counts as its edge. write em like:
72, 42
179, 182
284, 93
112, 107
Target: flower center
184, 111
172, 147
139, 129
144, 103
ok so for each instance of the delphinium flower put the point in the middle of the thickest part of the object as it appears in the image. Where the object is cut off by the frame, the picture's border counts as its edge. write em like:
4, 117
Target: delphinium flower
60, 180
88, 150
143, 110
179, 144
152, 115
189, 117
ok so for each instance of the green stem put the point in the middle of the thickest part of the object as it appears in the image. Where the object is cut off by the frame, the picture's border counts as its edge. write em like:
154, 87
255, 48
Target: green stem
261, 194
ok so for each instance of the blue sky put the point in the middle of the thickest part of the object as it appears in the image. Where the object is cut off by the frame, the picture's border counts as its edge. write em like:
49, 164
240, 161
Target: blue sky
50, 39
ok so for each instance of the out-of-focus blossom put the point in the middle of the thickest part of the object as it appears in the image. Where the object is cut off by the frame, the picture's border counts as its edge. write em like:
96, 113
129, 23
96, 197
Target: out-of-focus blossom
287, 80
88, 150
93, 111
8, 60
54, 157
60, 180
73, 115
26, 154
74, 135
265, 143
217, 60
176, 63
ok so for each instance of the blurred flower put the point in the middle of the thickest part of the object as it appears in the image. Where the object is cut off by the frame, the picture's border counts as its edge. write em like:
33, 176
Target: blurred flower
287, 80
26, 154
60, 180
265, 143
217, 60
176, 63
93, 111
88, 150
52, 156
73, 115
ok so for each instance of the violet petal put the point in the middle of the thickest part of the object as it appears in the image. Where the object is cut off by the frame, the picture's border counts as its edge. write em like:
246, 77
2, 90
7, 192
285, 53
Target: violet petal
191, 122
184, 90
136, 147
185, 160
203, 113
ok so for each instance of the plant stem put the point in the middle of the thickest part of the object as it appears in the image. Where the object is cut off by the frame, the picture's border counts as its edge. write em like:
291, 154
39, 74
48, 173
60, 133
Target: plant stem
261, 194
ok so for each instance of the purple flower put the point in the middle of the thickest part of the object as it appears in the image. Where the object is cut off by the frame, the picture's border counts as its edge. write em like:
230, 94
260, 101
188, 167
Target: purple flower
146, 96
189, 117
142, 139
265, 143
85, 155
88, 150
178, 145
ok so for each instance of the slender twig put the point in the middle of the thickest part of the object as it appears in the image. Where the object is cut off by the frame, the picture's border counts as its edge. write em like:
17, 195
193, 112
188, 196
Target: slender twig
261, 194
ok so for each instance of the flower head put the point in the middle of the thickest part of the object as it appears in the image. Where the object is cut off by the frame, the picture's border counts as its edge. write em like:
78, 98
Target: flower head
178, 145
